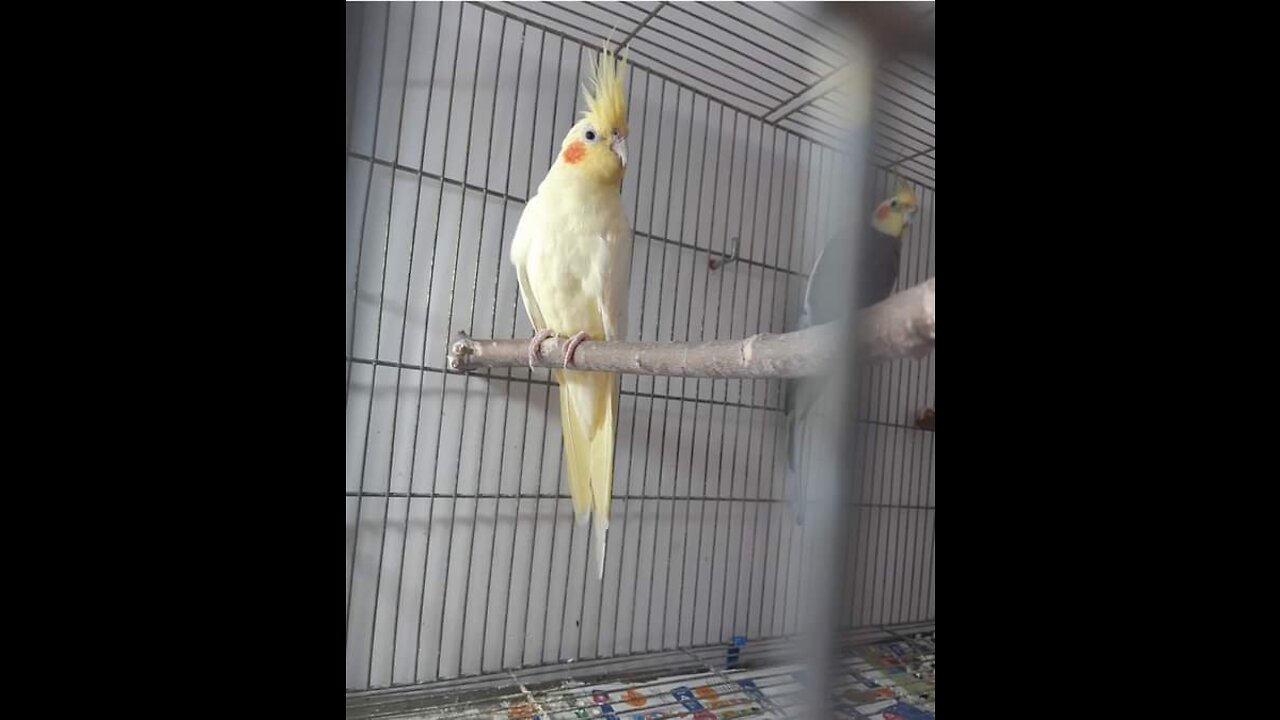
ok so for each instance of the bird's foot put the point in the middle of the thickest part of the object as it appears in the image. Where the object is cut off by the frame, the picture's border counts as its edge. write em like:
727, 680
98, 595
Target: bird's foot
572, 347
535, 345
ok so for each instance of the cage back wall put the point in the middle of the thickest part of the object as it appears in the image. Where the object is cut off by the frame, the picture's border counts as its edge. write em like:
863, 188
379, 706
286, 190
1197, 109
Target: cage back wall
462, 554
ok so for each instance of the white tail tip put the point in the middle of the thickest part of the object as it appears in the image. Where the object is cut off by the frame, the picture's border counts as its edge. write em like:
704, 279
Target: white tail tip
601, 532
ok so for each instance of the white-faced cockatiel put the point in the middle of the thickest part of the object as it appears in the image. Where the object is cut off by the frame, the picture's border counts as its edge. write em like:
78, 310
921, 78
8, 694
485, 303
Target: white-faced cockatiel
572, 253
878, 255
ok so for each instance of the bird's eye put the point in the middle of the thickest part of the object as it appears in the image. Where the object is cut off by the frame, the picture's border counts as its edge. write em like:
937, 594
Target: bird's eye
591, 135
893, 203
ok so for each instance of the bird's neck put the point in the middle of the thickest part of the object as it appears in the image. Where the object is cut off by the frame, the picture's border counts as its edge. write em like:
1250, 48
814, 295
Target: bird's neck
572, 181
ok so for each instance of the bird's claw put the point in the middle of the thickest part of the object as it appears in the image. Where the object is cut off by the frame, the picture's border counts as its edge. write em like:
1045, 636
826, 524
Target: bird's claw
535, 345
572, 346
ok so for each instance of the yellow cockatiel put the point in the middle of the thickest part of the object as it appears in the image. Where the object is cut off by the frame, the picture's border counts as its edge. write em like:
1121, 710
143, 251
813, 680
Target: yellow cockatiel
572, 253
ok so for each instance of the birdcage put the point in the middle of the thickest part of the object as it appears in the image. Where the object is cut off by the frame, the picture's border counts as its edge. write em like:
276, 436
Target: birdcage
468, 584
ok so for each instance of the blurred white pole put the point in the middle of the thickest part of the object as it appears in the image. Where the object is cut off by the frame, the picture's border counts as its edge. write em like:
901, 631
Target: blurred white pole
831, 471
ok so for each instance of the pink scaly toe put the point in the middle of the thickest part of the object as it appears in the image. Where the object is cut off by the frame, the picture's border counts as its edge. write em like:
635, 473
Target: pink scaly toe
574, 342
535, 345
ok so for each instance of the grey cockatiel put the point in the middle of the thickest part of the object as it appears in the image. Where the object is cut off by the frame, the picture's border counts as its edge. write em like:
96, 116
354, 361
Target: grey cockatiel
878, 257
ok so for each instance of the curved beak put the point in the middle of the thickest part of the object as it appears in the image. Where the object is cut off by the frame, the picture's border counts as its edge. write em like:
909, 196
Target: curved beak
619, 148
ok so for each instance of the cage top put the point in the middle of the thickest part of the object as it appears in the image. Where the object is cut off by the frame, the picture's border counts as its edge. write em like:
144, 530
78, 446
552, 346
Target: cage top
774, 61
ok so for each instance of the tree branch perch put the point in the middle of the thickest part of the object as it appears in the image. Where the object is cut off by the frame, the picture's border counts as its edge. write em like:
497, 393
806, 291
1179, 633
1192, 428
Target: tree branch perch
901, 326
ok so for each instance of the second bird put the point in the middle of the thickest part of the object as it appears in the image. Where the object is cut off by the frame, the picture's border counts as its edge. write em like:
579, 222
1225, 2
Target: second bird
878, 253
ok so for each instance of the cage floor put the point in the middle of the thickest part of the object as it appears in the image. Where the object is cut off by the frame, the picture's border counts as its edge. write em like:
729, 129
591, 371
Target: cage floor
890, 678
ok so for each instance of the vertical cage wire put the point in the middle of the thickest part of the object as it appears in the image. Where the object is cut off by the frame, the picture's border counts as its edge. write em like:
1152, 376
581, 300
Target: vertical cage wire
461, 558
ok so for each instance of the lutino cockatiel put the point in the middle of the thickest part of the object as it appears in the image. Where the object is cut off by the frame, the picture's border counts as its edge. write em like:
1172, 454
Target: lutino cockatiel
878, 256
572, 252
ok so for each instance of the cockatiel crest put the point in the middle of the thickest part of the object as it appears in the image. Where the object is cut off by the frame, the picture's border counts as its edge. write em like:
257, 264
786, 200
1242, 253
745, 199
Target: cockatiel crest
597, 144
606, 100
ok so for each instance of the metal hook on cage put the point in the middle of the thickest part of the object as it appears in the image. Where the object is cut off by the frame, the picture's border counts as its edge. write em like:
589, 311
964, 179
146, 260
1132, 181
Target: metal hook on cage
717, 262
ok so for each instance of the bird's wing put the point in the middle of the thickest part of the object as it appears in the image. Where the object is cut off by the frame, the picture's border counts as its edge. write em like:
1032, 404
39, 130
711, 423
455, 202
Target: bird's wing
521, 243
617, 280
878, 259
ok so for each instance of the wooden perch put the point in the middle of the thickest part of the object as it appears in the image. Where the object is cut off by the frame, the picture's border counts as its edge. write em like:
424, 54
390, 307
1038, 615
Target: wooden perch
901, 326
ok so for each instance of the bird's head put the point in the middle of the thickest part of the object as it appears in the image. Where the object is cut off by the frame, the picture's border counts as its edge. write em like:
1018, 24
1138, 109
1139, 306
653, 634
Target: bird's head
894, 215
597, 145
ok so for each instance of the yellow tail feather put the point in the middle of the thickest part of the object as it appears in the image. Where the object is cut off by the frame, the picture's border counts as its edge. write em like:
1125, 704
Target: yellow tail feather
588, 412
602, 467
577, 448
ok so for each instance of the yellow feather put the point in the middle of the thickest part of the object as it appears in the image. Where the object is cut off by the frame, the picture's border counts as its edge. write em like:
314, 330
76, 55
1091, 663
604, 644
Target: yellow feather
577, 446
607, 99
602, 465
588, 410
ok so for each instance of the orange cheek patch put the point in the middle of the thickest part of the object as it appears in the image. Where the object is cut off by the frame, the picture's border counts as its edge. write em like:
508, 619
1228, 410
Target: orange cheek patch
575, 152
882, 212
